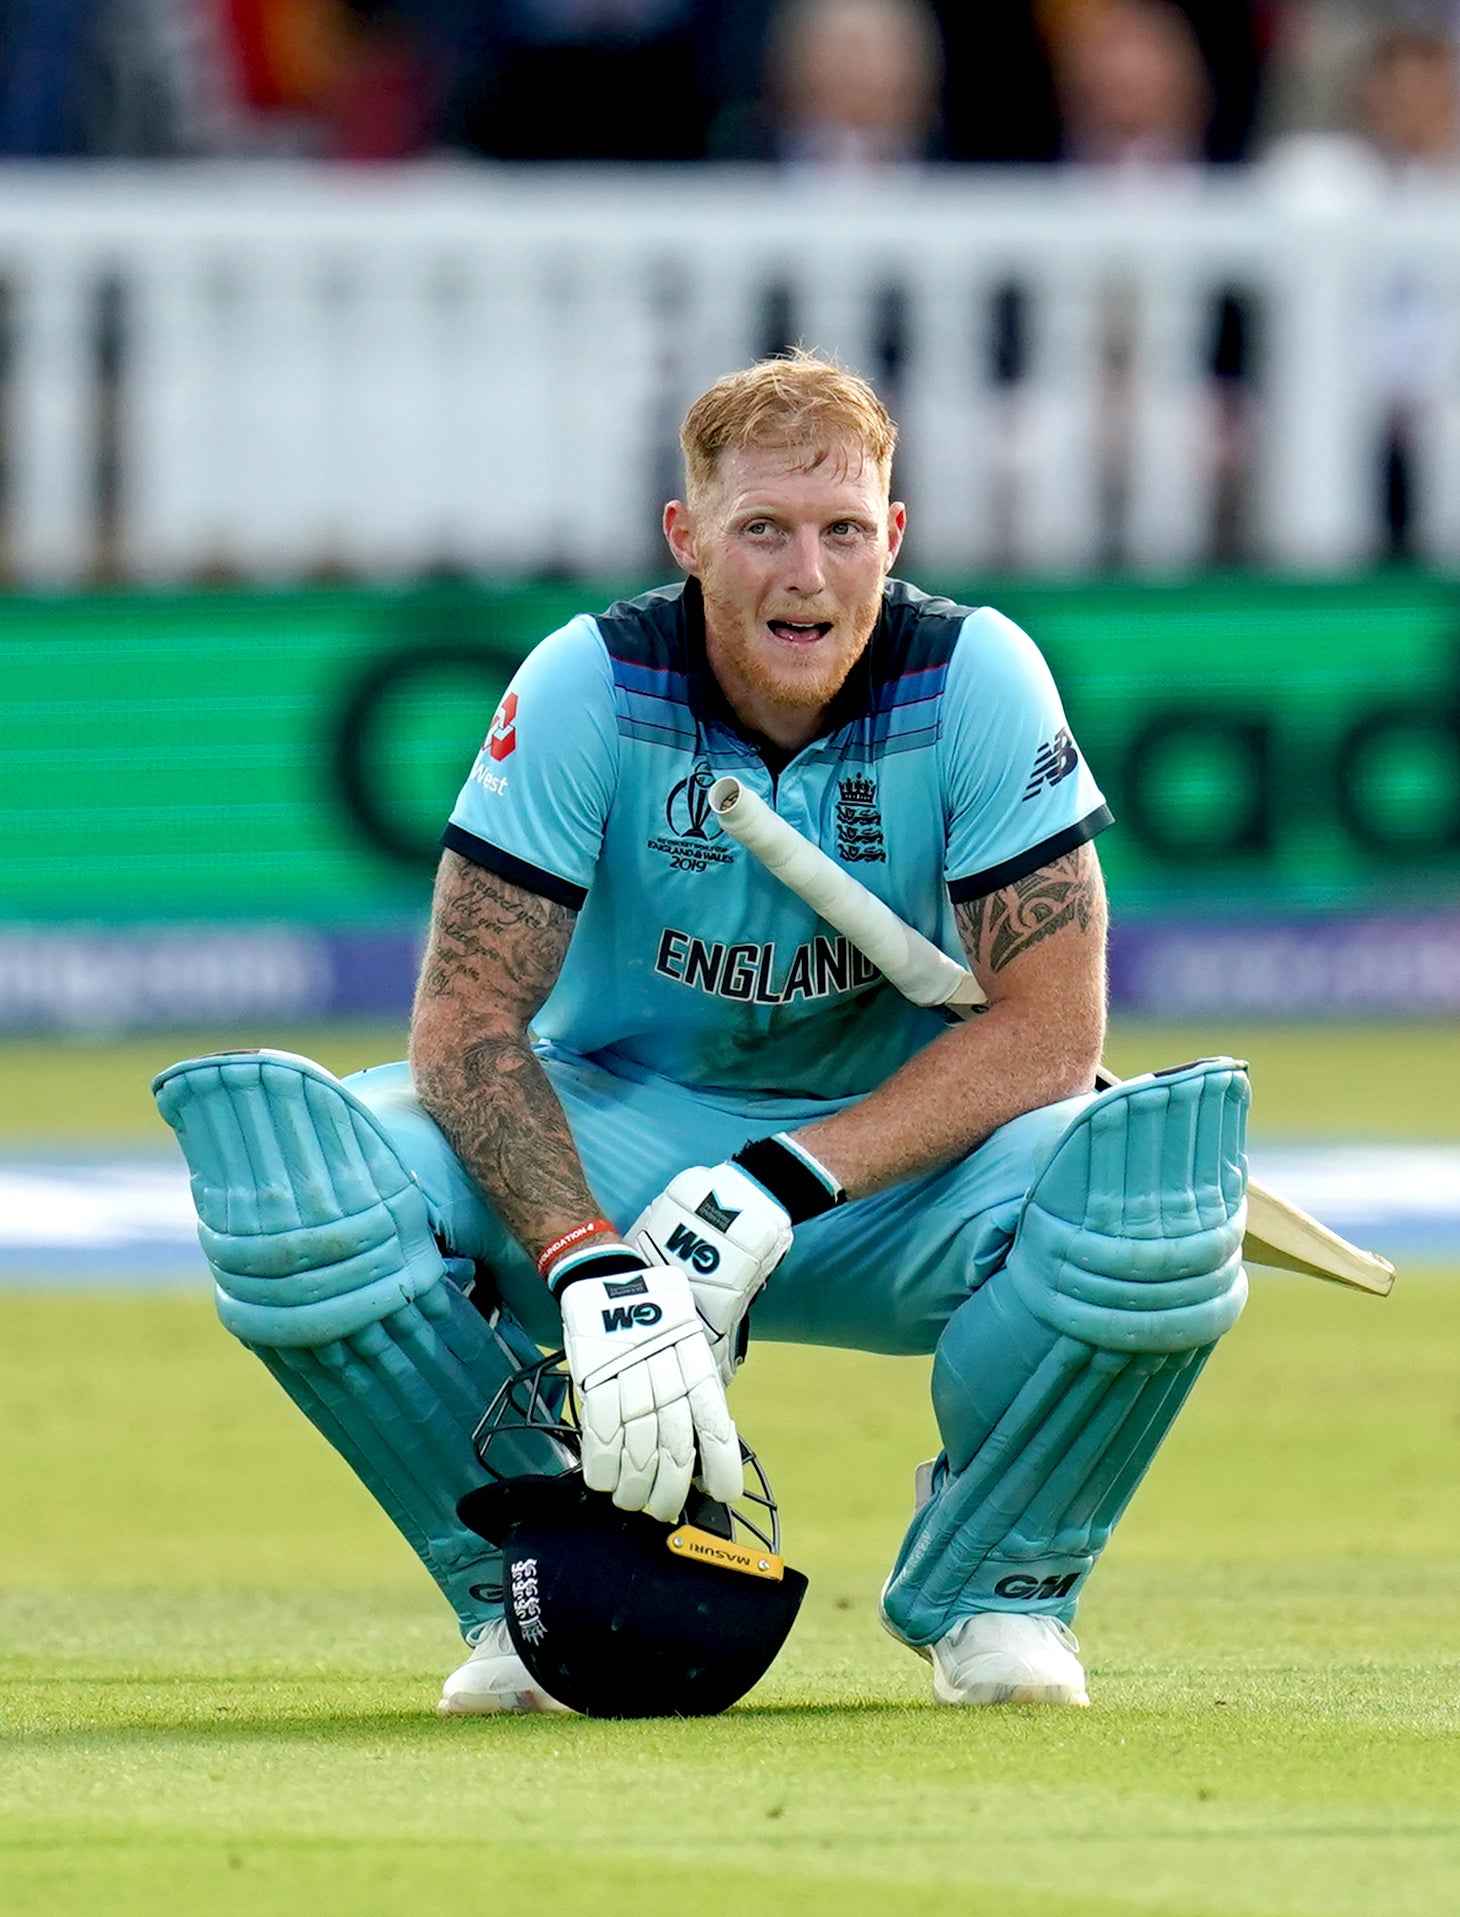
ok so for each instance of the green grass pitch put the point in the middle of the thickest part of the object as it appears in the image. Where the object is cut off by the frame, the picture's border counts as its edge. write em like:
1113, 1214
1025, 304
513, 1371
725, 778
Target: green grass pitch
218, 1663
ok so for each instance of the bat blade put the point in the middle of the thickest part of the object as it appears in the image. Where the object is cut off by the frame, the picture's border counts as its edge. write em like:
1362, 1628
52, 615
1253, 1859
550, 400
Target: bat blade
1281, 1233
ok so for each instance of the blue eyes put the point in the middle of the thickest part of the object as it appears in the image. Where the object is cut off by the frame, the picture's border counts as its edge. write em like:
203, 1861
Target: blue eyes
839, 529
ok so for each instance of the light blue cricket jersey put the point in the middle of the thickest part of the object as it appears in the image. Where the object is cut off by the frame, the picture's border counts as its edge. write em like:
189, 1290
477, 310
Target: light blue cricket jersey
948, 772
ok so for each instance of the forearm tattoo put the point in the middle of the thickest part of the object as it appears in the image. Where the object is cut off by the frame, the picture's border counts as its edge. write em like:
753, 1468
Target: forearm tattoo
997, 929
495, 951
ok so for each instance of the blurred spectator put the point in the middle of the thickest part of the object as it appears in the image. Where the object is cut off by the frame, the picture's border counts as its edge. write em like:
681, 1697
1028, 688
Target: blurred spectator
849, 84
281, 58
848, 88
1407, 110
45, 46
1131, 83
1408, 103
163, 79
336, 79
381, 96
155, 84
1136, 97
1152, 80
1316, 46
1402, 134
1000, 100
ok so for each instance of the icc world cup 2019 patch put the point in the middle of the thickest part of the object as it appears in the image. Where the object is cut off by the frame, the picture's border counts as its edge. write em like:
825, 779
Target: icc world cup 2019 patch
695, 839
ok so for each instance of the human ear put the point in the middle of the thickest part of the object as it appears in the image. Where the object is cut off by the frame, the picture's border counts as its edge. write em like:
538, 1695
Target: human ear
896, 527
679, 531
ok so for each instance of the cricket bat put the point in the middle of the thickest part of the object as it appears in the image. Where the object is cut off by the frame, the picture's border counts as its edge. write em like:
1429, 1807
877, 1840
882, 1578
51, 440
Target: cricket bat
1278, 1232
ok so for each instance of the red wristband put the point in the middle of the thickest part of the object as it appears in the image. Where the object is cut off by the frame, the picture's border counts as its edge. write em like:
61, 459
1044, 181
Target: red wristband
550, 1254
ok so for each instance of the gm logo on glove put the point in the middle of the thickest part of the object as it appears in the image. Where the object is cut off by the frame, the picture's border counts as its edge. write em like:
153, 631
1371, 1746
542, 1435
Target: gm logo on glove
625, 1317
698, 1252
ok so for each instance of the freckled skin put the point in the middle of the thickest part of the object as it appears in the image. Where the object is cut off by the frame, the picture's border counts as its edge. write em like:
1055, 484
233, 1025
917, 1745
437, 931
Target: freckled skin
787, 538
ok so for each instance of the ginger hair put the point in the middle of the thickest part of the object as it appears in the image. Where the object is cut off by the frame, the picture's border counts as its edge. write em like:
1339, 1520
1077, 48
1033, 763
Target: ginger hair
796, 401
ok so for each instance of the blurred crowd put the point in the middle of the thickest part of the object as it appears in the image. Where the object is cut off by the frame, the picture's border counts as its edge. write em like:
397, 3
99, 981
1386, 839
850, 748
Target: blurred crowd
816, 84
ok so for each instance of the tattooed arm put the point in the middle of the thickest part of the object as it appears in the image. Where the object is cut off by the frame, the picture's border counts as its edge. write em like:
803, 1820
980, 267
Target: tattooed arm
1038, 949
495, 950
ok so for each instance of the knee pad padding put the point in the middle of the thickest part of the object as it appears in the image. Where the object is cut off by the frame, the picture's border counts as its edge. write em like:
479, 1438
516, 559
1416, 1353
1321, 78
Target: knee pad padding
1055, 1383
326, 1267
312, 1225
1131, 1236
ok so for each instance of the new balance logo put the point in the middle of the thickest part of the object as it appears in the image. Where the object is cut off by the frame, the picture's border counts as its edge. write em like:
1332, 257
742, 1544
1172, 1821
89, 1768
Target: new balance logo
1031, 1589
699, 1252
1053, 762
625, 1317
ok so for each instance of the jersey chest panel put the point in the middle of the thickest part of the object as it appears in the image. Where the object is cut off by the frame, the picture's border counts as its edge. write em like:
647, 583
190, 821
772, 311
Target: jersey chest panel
706, 966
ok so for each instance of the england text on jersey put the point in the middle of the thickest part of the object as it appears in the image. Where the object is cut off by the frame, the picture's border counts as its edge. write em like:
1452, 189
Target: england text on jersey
749, 972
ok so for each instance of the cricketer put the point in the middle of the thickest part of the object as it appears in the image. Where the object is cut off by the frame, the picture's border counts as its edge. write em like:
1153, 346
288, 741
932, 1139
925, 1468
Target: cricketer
655, 1108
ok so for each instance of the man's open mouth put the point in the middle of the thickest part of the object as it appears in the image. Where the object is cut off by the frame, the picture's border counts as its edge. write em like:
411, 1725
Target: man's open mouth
799, 631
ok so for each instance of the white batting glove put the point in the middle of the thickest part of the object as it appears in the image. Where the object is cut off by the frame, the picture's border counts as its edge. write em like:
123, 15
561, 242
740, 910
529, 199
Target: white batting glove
729, 1227
727, 1235
651, 1407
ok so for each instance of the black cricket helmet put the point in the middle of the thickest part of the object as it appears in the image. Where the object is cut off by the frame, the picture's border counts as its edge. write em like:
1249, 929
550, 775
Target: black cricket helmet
612, 1612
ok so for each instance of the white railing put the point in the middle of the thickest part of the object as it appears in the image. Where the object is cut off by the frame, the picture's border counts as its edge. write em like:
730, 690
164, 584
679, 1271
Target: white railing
281, 374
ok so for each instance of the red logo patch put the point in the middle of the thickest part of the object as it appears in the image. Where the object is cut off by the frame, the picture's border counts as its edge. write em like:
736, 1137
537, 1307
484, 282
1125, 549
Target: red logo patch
502, 738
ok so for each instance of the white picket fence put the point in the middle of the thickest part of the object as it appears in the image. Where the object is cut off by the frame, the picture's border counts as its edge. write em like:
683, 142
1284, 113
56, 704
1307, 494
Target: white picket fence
277, 374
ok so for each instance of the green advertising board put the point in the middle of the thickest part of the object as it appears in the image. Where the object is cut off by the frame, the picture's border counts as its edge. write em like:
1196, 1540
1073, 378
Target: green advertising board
292, 756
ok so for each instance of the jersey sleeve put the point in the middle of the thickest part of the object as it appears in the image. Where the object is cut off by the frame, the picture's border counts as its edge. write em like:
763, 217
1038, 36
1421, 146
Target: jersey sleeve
1017, 789
535, 803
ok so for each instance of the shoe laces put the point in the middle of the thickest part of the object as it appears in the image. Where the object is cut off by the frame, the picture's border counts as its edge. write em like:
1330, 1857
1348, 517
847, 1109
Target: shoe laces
1065, 1635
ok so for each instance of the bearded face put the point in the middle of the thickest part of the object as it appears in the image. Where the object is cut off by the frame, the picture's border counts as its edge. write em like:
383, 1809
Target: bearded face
791, 547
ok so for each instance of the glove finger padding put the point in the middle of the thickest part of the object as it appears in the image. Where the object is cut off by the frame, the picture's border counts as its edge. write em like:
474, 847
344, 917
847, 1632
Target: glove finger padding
639, 1461
676, 1462
602, 1430
721, 1466
649, 1391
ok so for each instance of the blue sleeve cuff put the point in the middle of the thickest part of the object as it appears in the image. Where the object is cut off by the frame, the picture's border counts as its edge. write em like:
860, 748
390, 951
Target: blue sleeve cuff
532, 878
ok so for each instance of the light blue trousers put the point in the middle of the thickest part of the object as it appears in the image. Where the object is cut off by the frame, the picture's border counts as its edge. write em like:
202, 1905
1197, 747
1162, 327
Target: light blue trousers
884, 1274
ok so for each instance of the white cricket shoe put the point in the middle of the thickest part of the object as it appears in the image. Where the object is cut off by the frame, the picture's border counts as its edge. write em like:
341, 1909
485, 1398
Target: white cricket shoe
493, 1678
996, 1657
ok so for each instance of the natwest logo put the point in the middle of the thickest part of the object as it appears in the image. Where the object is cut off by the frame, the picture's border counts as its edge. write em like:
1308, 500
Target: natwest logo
502, 738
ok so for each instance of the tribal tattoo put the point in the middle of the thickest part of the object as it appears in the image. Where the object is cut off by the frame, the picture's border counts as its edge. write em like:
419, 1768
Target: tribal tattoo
495, 952
997, 929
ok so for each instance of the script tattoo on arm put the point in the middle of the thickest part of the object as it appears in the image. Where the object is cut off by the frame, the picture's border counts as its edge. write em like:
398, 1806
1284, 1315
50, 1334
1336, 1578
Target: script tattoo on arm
494, 953
998, 928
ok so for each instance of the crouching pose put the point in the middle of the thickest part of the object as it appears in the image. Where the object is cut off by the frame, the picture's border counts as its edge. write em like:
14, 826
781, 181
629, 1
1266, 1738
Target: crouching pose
653, 1102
